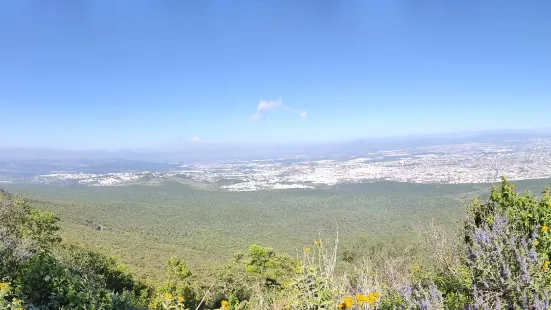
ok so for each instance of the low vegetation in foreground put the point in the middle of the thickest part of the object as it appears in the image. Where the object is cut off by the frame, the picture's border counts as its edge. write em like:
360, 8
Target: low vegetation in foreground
500, 259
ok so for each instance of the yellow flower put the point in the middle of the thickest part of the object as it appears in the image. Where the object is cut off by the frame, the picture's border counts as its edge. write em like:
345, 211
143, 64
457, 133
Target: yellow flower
537, 242
180, 299
348, 303
225, 305
307, 250
317, 243
544, 228
168, 296
546, 264
361, 299
373, 297
4, 286
416, 268
369, 298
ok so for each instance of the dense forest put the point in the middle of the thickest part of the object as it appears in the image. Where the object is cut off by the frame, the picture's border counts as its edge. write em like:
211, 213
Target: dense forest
144, 226
498, 259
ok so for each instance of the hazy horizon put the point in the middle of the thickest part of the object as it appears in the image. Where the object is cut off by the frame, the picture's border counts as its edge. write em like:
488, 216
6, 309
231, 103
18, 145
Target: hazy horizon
210, 150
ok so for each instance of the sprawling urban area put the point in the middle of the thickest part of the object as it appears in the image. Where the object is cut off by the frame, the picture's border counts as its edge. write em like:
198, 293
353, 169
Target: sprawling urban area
460, 163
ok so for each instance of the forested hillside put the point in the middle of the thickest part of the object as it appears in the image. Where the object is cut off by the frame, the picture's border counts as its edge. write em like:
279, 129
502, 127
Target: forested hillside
499, 259
146, 225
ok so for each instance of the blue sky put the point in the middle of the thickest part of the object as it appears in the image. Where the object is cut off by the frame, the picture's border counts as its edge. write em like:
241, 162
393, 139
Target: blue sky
126, 74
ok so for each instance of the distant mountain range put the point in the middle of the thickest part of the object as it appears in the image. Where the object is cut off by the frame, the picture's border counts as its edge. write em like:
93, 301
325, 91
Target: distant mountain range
212, 151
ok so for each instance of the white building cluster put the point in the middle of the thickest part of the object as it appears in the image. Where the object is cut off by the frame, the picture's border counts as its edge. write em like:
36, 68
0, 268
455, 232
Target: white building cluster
462, 163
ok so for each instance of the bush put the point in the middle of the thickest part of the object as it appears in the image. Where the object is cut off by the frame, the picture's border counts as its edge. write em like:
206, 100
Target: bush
508, 249
177, 291
37, 271
43, 280
114, 276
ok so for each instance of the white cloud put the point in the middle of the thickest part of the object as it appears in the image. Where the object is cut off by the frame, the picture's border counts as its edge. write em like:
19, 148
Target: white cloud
196, 139
264, 106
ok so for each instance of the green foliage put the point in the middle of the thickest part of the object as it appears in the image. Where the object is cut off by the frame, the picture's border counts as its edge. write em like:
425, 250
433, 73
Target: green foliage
313, 285
508, 249
115, 276
41, 226
176, 291
456, 287
43, 273
147, 224
257, 269
7, 300
266, 265
231, 282
44, 281
394, 301
452, 273
177, 270
526, 213
23, 232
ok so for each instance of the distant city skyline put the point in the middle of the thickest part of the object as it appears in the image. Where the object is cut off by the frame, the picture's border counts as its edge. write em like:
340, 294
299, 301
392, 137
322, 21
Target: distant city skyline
91, 75
457, 162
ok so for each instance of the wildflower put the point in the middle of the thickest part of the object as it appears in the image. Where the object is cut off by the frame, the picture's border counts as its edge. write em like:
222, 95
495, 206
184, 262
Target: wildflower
361, 299
546, 265
317, 243
544, 228
180, 299
533, 255
307, 250
416, 268
225, 305
168, 296
348, 303
4, 286
372, 298
537, 242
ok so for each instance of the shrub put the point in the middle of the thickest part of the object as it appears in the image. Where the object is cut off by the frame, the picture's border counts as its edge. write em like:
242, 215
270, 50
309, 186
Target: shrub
114, 276
42, 273
177, 291
43, 280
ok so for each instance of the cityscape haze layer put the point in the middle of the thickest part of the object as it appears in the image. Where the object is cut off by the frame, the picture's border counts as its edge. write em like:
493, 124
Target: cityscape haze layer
471, 159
